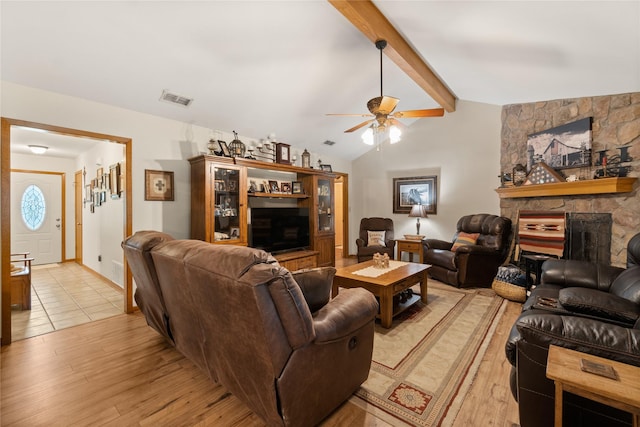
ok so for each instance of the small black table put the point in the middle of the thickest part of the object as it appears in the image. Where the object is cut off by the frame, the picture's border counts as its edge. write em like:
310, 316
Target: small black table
533, 263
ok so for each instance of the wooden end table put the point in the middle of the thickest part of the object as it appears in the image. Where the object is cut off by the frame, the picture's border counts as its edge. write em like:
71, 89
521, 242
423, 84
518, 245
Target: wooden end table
564, 368
385, 286
411, 246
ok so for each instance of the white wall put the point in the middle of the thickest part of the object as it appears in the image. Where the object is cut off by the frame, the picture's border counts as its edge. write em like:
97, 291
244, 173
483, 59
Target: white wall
157, 143
102, 230
462, 149
55, 164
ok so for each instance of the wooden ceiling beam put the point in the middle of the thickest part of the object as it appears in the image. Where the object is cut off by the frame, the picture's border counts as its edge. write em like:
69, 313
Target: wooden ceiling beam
367, 18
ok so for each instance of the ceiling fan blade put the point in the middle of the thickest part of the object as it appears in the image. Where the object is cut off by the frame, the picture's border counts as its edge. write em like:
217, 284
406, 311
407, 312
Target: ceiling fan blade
351, 115
433, 112
358, 126
387, 104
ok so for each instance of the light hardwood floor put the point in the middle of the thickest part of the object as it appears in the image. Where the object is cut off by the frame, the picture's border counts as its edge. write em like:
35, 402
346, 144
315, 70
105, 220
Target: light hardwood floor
119, 371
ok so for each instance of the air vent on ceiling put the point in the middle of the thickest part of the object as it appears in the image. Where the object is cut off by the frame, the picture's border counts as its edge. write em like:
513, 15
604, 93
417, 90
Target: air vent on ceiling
327, 142
175, 99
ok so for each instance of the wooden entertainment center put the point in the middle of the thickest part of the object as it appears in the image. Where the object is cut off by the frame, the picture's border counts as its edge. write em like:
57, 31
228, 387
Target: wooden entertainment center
224, 188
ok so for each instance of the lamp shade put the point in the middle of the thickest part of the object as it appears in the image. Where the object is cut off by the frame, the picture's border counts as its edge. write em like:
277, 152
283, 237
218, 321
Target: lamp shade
418, 211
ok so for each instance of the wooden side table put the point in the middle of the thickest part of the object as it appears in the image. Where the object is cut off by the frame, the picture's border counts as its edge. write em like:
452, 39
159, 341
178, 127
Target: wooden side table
411, 246
564, 368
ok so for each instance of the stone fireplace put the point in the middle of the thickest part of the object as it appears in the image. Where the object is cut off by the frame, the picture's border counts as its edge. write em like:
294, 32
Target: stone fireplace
615, 124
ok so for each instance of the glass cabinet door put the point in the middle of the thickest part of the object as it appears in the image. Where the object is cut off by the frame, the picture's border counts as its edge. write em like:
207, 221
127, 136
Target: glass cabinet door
325, 217
226, 188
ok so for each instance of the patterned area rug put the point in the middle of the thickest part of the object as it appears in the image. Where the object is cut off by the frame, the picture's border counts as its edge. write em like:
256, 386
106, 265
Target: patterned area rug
425, 363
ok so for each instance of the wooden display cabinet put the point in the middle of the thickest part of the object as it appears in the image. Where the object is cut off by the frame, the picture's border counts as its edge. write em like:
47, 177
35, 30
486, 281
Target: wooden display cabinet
218, 201
321, 217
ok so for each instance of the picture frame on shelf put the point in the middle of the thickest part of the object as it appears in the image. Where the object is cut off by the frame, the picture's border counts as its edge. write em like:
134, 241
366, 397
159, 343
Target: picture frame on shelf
285, 187
224, 148
232, 185
326, 168
519, 174
266, 186
417, 190
296, 187
273, 186
158, 185
234, 233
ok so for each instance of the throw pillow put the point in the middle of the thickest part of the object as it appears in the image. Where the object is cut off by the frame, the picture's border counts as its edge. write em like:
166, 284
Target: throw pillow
599, 304
375, 238
465, 239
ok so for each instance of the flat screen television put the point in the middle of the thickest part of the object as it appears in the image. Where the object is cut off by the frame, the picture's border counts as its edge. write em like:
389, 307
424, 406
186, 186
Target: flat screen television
278, 230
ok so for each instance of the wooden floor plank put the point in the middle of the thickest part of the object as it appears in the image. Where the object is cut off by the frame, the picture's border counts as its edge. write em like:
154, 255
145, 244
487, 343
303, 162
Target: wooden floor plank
118, 371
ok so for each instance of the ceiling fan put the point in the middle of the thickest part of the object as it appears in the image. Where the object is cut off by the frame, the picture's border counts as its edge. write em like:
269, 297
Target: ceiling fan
381, 108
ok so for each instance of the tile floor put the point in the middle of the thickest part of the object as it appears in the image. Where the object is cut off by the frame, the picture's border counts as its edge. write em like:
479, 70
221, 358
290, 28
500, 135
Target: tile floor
64, 295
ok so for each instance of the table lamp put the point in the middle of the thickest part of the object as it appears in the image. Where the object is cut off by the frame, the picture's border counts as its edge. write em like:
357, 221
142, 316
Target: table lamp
418, 211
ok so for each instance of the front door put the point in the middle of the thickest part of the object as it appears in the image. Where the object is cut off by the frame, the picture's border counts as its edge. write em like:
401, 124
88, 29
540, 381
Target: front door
36, 215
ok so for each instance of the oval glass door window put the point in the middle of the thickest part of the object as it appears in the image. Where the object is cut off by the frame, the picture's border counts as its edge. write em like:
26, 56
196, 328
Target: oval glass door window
33, 207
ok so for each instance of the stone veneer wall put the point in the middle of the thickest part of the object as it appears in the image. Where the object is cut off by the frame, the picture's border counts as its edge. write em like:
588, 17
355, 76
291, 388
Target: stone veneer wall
616, 122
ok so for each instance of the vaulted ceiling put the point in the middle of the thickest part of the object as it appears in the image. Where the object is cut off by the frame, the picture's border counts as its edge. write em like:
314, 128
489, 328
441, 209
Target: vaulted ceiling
261, 67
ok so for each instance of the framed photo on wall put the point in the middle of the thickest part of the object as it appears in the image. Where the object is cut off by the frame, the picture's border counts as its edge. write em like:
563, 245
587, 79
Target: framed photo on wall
158, 185
417, 190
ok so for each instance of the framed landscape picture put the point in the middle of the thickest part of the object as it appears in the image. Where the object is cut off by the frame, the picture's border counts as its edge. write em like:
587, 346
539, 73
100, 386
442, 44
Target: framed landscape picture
417, 190
561, 147
158, 185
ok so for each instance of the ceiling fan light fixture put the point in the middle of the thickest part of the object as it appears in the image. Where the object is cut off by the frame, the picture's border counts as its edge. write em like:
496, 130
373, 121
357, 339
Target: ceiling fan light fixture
394, 134
367, 136
38, 149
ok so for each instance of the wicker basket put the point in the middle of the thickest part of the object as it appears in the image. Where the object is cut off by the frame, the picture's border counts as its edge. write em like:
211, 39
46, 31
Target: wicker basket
509, 290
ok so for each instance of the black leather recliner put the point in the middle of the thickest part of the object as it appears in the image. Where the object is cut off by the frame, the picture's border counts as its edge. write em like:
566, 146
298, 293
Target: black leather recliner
472, 265
586, 307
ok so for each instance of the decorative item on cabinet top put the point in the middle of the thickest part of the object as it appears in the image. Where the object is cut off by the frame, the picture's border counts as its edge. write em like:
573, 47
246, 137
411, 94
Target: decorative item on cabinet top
237, 147
283, 153
306, 159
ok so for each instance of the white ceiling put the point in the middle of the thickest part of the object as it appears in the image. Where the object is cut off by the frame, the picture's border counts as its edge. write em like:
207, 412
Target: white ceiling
261, 67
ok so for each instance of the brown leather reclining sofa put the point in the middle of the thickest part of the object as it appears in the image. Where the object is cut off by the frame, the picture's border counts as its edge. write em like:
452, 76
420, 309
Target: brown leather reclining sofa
271, 337
585, 307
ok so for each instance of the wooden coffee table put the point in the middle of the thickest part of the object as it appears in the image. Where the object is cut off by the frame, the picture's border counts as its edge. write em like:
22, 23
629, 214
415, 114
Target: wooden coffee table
385, 286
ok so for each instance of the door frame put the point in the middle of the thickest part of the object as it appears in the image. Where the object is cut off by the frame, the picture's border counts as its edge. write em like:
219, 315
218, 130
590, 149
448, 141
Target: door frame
5, 208
63, 213
78, 194
345, 213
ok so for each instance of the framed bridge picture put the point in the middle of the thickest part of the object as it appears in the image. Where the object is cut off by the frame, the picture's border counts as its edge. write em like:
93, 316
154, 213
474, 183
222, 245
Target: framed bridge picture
417, 190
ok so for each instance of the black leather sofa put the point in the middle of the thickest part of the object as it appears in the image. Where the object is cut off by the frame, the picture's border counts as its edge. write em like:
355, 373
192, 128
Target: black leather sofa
586, 307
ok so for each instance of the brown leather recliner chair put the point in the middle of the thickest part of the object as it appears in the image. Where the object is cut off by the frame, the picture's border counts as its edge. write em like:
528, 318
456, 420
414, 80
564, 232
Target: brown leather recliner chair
366, 252
596, 311
274, 339
470, 265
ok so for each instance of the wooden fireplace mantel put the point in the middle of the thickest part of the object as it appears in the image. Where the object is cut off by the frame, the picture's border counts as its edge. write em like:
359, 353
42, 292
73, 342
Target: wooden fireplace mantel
590, 186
